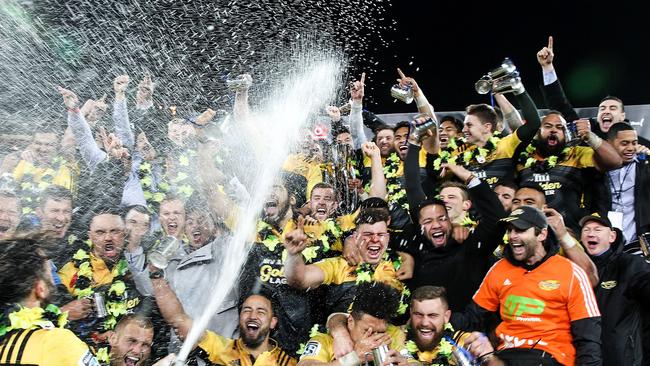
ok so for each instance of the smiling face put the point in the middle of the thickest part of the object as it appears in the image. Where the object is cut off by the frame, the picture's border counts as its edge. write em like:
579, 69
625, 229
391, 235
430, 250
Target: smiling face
525, 244
277, 203
401, 136
455, 202
322, 203
131, 345
596, 237
625, 144
447, 131
345, 138
435, 224
107, 235
373, 241
428, 318
172, 218
610, 111
55, 216
476, 132
200, 228
256, 319
385, 140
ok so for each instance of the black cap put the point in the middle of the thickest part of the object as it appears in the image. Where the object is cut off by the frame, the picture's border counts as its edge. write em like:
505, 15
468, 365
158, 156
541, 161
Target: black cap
596, 217
525, 217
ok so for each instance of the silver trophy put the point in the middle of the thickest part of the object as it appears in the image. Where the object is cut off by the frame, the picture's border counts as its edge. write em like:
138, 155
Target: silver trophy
240, 83
161, 253
380, 354
420, 130
337, 171
503, 79
403, 93
100, 305
571, 134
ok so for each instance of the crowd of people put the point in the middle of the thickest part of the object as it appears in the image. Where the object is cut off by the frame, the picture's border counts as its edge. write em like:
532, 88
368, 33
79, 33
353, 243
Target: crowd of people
508, 238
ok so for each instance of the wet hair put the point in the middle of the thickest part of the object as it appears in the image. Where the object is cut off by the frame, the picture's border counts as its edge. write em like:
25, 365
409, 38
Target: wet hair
56, 193
21, 266
323, 185
455, 121
430, 202
616, 99
618, 127
140, 320
461, 186
430, 293
339, 129
373, 202
484, 113
372, 216
376, 299
296, 186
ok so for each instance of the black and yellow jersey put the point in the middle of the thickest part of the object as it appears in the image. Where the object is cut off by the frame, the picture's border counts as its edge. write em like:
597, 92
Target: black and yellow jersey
565, 183
498, 165
45, 347
226, 351
321, 346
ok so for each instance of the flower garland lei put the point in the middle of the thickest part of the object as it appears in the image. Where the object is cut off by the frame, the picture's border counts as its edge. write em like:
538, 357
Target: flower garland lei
18, 317
445, 348
116, 296
396, 193
331, 234
365, 271
178, 184
29, 188
472, 155
529, 159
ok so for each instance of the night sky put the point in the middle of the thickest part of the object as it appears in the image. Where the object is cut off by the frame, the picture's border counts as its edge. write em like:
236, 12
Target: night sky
598, 50
192, 46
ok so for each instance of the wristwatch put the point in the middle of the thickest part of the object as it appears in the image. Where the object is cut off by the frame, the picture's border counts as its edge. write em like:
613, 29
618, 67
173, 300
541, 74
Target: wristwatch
158, 273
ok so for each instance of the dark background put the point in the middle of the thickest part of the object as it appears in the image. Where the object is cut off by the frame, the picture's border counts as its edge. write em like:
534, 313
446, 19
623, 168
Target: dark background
599, 50
192, 46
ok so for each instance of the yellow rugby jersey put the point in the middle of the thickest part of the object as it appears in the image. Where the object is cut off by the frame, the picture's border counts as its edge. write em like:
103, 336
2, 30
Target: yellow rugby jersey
316, 231
101, 273
337, 271
226, 351
45, 347
498, 165
64, 176
321, 346
299, 164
